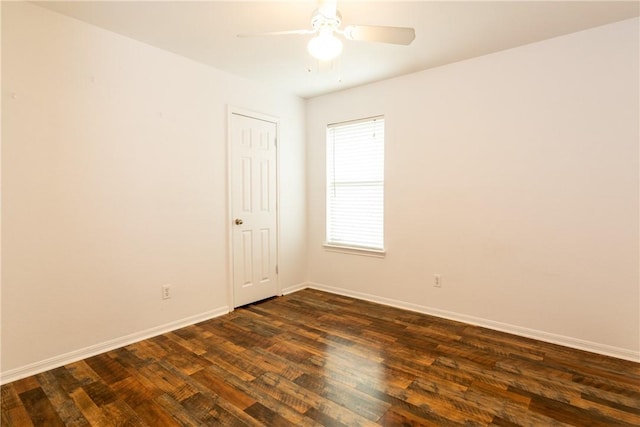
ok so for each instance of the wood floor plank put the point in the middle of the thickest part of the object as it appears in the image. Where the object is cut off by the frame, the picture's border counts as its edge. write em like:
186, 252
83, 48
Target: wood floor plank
222, 409
25, 384
356, 401
253, 389
88, 407
267, 416
109, 369
613, 398
127, 357
218, 360
206, 408
179, 412
152, 413
40, 409
509, 411
82, 373
223, 389
193, 345
61, 402
451, 403
266, 384
336, 411
16, 417
607, 411
133, 392
570, 413
118, 413
400, 417
387, 387
9, 397
65, 380
313, 358
100, 393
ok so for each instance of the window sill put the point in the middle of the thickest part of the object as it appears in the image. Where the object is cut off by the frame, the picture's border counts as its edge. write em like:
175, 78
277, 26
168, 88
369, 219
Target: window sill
376, 253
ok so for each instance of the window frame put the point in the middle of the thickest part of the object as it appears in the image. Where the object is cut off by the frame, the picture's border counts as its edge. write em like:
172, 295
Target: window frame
345, 247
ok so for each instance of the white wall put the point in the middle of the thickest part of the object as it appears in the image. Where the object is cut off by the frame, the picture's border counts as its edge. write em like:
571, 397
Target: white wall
115, 182
515, 176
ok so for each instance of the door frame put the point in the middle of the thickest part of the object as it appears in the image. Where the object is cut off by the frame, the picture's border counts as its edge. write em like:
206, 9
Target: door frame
231, 110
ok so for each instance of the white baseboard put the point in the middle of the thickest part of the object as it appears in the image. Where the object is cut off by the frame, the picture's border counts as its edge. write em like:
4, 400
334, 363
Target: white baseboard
291, 289
83, 353
607, 350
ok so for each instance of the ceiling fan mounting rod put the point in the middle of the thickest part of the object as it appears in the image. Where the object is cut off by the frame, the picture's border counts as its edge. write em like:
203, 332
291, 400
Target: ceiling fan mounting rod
320, 21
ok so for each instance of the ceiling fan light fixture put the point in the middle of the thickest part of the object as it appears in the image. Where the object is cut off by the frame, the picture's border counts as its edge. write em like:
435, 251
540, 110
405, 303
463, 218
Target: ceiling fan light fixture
325, 46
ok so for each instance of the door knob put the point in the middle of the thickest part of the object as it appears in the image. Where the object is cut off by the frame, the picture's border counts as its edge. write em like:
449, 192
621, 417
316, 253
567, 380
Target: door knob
239, 221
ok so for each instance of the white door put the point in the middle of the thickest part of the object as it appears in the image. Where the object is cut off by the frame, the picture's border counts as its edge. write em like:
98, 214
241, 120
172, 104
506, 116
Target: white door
253, 200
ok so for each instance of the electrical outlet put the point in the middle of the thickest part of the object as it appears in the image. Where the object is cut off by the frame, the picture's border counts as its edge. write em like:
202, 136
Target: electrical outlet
166, 291
437, 280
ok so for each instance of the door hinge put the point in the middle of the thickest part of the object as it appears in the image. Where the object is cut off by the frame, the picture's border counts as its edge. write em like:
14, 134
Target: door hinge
276, 268
275, 142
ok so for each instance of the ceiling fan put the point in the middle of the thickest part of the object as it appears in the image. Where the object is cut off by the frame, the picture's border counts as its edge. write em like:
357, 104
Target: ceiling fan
325, 24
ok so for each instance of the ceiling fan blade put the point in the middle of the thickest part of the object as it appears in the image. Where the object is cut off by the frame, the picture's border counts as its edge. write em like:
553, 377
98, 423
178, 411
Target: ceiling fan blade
374, 33
278, 33
328, 8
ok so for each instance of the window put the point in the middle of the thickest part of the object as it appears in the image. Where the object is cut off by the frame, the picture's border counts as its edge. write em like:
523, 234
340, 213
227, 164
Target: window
355, 184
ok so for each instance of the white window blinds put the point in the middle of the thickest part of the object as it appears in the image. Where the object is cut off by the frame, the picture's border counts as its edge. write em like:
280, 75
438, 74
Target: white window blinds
355, 184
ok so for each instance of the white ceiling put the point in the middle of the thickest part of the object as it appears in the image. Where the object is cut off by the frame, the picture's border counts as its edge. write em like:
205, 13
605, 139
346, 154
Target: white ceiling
446, 31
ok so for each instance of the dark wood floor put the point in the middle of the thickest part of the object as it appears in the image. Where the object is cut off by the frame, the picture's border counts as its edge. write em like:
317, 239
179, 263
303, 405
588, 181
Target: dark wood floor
313, 358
